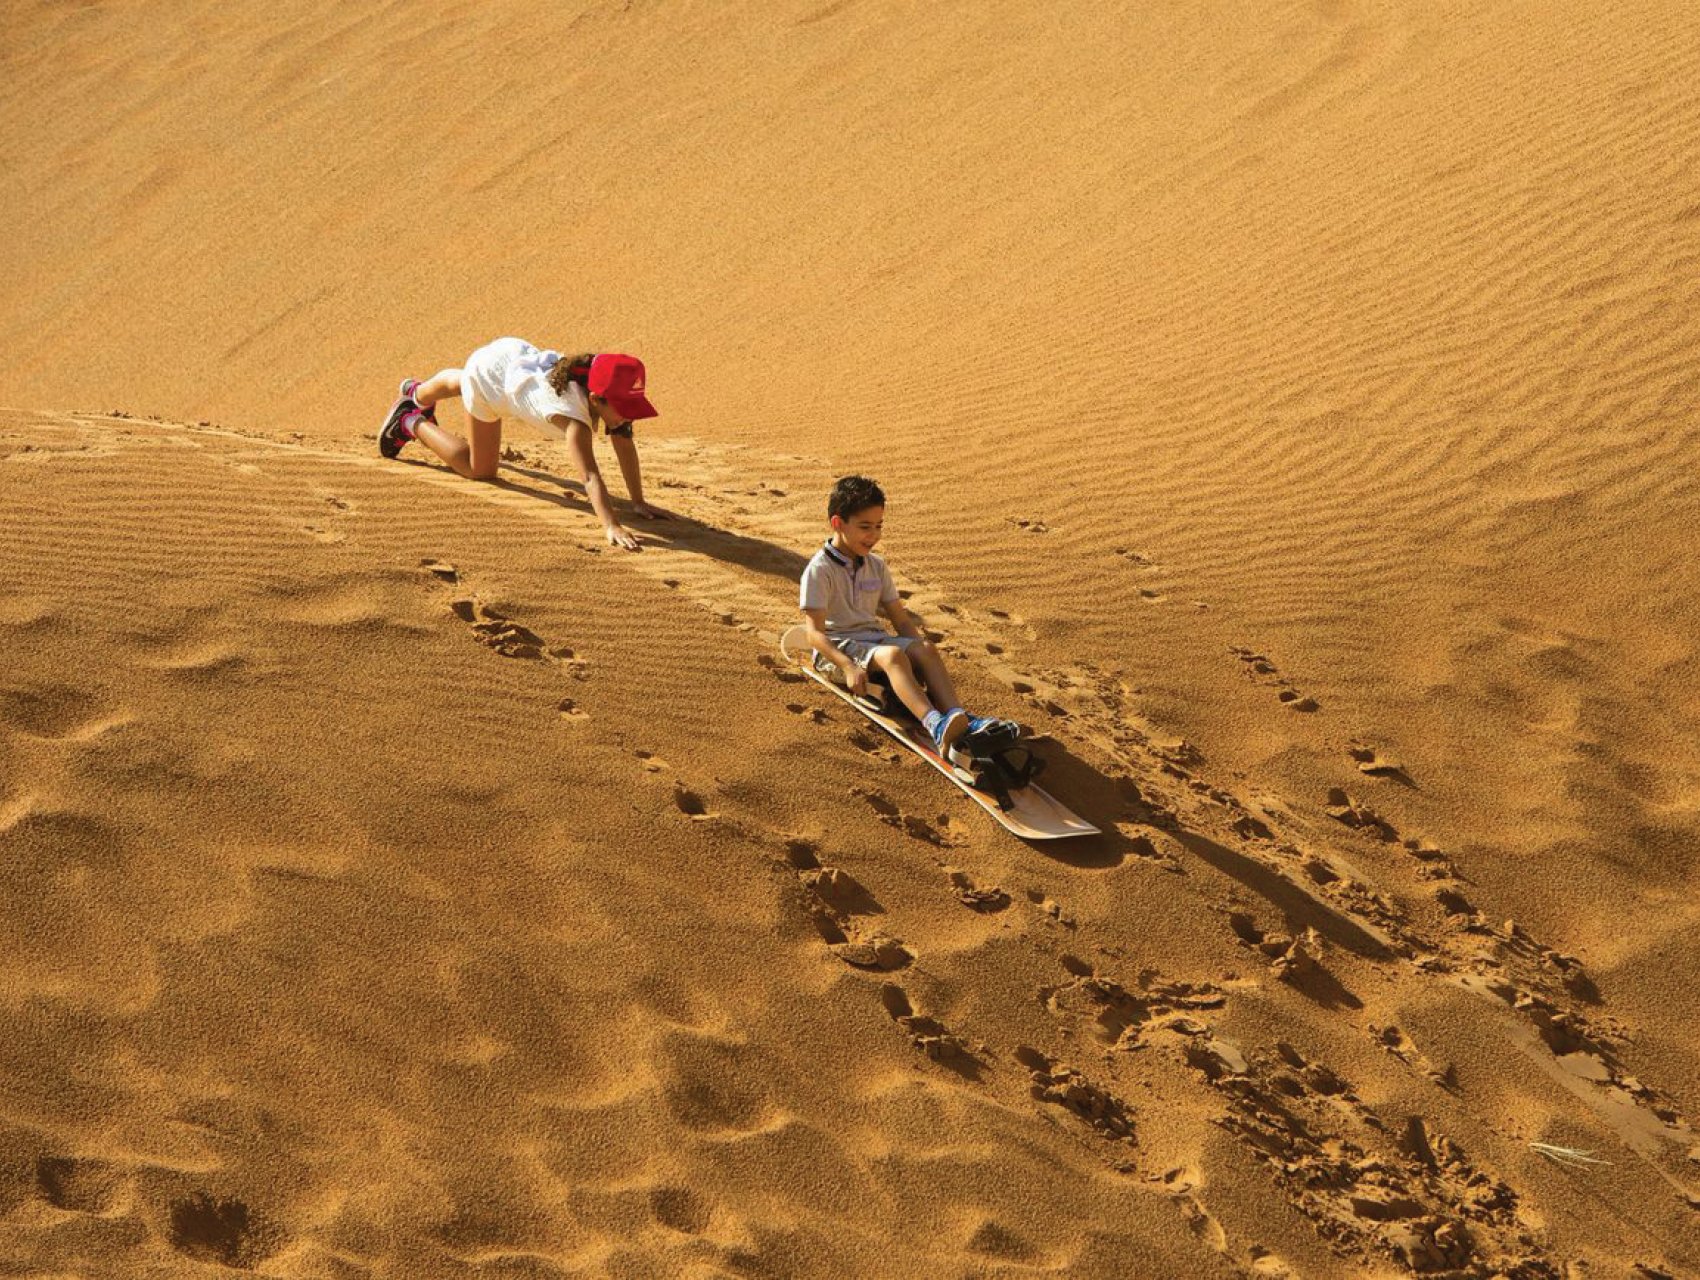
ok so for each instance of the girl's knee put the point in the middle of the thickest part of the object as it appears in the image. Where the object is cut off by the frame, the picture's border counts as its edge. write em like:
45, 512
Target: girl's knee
922, 649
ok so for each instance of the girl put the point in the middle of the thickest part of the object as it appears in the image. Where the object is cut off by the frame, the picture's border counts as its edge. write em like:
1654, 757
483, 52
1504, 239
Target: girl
566, 397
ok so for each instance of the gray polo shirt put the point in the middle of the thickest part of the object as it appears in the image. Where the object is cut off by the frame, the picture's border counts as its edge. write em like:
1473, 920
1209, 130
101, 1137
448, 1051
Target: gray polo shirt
851, 590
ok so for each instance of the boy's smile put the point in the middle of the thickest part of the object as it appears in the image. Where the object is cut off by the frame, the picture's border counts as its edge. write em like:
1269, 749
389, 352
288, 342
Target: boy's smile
860, 532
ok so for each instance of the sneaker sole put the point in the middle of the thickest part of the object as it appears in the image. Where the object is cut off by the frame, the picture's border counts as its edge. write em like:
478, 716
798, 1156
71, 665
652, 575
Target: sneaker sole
388, 445
953, 733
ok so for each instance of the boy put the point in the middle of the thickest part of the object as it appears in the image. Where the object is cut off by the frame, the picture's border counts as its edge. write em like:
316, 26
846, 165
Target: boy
843, 587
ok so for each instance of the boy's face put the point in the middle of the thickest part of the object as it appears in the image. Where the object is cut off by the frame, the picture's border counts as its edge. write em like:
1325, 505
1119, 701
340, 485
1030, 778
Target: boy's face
860, 530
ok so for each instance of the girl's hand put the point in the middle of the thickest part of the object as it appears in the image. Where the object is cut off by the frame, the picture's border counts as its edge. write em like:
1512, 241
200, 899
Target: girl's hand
856, 680
649, 511
618, 537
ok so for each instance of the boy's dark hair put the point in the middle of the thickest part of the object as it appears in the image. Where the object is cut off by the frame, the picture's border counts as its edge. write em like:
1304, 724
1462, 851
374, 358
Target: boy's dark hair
853, 494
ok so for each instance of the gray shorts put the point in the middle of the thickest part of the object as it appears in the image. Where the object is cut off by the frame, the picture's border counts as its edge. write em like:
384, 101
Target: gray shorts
859, 649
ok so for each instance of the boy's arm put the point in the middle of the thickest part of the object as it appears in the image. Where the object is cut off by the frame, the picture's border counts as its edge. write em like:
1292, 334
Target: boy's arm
584, 457
902, 619
815, 626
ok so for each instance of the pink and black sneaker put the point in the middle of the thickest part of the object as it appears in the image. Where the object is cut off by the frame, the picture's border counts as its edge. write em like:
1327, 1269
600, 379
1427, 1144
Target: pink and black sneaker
405, 415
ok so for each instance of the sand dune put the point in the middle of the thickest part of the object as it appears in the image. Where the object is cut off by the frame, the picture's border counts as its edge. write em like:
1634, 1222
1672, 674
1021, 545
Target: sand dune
1291, 411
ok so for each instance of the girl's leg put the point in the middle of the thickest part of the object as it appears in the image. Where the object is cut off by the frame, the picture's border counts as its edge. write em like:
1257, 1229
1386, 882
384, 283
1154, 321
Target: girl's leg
442, 385
475, 461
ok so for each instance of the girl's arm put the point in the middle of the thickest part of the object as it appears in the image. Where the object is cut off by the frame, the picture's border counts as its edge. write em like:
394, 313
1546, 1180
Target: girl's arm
584, 457
625, 449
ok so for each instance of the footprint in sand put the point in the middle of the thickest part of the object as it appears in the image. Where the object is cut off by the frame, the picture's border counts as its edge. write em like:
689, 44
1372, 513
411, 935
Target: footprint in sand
679, 1208
1050, 908
987, 900
1203, 1223
1401, 1046
1376, 765
873, 951
995, 1240
1260, 668
510, 638
1118, 1018
840, 891
55, 712
929, 1035
569, 711
1068, 1088
225, 1232
941, 834
690, 803
496, 630
79, 1186
1343, 809
874, 744
1269, 1265
836, 899
782, 671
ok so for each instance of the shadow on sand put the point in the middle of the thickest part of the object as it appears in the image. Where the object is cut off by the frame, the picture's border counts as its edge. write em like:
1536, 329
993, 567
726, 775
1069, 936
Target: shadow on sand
680, 533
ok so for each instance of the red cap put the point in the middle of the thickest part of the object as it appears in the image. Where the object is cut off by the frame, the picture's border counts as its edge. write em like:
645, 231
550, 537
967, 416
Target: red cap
618, 379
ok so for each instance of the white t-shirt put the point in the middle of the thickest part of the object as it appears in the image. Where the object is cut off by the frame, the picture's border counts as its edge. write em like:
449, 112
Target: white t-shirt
509, 378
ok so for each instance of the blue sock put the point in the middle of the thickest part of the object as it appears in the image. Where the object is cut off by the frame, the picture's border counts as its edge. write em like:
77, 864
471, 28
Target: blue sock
930, 721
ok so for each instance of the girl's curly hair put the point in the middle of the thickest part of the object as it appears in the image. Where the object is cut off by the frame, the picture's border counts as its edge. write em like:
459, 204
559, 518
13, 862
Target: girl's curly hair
569, 369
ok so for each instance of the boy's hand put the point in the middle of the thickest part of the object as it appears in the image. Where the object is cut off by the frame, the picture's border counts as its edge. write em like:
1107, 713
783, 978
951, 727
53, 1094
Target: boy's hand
650, 511
856, 680
618, 537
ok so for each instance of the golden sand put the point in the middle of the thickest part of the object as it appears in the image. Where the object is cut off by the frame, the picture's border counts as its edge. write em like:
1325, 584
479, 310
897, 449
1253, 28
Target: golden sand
1290, 409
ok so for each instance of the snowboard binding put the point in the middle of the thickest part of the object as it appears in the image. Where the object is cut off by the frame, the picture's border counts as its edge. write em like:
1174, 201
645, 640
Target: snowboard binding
1000, 765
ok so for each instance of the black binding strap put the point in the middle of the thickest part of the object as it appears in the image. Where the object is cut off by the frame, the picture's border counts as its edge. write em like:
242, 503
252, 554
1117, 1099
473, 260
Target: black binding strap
1007, 770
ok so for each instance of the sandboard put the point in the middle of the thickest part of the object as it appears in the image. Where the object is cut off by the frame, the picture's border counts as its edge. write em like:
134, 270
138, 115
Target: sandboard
1033, 813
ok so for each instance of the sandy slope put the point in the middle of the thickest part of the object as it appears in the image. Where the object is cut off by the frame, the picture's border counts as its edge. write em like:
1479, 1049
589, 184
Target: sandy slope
1292, 411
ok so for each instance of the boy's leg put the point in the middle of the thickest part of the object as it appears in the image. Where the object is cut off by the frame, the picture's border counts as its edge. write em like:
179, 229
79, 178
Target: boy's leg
894, 662
476, 460
928, 662
442, 385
